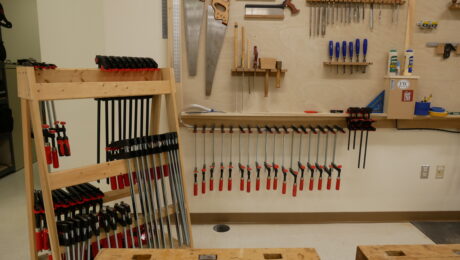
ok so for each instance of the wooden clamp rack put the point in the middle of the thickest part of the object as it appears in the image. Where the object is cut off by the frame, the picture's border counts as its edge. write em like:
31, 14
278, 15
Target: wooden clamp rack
383, 2
65, 84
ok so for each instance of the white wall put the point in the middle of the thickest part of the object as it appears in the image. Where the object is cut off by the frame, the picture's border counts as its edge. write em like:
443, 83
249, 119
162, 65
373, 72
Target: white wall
71, 33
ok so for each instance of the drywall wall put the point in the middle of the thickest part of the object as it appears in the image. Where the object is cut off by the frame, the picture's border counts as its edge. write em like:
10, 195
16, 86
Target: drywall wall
73, 32
390, 182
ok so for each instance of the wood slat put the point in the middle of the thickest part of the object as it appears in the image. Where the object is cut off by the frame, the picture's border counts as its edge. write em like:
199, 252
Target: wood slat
79, 90
221, 254
279, 119
85, 174
94, 75
406, 252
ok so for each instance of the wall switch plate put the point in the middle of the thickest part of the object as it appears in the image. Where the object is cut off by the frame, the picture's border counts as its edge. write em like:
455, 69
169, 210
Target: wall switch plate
440, 171
424, 172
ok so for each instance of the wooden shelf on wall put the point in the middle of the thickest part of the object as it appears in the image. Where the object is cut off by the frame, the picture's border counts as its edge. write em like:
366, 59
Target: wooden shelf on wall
288, 119
383, 2
251, 70
341, 63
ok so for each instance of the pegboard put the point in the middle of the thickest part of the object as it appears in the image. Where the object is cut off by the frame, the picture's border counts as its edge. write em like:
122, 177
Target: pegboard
308, 85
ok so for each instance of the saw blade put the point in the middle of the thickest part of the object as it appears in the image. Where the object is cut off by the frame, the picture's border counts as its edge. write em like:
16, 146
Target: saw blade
193, 13
264, 11
215, 35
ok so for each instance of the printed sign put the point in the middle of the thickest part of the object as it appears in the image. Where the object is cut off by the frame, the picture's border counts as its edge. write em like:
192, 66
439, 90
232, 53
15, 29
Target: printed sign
407, 95
403, 84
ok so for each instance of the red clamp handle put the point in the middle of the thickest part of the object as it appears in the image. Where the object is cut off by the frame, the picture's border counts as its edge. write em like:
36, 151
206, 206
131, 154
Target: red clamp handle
320, 183
46, 240
55, 158
312, 181
302, 183
229, 185
294, 190
241, 184
61, 147
39, 240
269, 182
284, 188
221, 184
275, 183
329, 182
49, 159
195, 189
66, 147
126, 179
121, 184
248, 186
211, 184
113, 183
257, 184
337, 184
203, 187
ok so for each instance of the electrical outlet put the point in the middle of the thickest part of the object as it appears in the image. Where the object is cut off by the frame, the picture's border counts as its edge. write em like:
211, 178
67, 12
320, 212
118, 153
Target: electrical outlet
440, 171
424, 172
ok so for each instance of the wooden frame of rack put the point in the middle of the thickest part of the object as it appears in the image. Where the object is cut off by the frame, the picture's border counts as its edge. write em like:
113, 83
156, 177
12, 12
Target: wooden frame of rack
64, 84
383, 2
288, 119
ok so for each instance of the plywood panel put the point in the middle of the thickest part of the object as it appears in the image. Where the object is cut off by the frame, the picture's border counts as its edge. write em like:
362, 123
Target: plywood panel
308, 85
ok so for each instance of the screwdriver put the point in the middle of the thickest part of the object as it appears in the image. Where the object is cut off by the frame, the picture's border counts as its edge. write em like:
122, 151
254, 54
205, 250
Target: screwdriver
344, 54
350, 52
230, 164
357, 47
364, 54
337, 54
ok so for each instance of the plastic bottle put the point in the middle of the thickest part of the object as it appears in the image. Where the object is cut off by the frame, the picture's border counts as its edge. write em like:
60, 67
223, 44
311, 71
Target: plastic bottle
409, 63
393, 63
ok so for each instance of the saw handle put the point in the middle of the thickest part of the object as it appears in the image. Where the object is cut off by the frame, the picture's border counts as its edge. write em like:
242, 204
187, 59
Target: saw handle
221, 11
291, 6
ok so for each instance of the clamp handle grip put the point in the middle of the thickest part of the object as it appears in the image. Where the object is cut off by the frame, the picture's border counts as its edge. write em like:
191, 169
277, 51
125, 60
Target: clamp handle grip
121, 184
113, 183
248, 186
241, 184
211, 184
269, 181
337, 184
49, 159
329, 182
275, 183
229, 185
257, 184
283, 191
320, 183
54, 154
195, 189
312, 181
221, 184
203, 187
302, 183
294, 190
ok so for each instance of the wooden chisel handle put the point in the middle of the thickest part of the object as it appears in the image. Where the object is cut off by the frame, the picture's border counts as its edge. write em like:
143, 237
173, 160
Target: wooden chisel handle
278, 78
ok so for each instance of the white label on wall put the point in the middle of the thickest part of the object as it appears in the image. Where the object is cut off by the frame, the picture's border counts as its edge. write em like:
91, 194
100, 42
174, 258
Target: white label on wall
392, 84
403, 84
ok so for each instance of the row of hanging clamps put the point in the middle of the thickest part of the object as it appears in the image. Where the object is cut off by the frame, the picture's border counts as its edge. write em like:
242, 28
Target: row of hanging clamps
269, 167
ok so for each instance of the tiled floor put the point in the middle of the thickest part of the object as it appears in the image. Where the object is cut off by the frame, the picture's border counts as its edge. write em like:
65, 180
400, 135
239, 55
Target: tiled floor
332, 241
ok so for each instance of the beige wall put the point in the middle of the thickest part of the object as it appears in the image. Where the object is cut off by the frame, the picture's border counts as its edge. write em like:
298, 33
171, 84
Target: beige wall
391, 181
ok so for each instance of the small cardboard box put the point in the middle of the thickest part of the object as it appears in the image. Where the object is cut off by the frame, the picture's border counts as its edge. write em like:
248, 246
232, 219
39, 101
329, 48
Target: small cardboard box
400, 94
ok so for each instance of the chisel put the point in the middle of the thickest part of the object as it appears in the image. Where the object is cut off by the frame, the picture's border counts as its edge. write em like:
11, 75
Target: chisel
331, 50
337, 54
364, 54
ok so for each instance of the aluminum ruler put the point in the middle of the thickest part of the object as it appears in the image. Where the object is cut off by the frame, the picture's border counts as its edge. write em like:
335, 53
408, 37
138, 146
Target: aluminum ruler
176, 45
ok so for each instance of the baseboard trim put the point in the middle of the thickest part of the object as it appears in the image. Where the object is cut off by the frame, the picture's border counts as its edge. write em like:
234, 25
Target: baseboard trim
322, 217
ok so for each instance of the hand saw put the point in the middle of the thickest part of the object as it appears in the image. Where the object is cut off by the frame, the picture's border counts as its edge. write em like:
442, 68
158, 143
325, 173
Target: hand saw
270, 11
218, 14
193, 12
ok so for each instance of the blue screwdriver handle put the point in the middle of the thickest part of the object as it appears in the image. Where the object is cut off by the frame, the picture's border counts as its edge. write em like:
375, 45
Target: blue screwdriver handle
365, 48
337, 50
350, 50
331, 50
357, 47
344, 50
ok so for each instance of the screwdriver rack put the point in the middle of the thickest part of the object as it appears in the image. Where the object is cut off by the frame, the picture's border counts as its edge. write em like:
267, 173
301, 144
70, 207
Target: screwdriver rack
383, 2
66, 84
339, 63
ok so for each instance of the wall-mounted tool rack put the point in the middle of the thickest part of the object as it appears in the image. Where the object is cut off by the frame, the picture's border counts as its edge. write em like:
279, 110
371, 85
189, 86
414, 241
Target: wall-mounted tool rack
383, 2
454, 5
250, 70
339, 63
261, 119
65, 84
